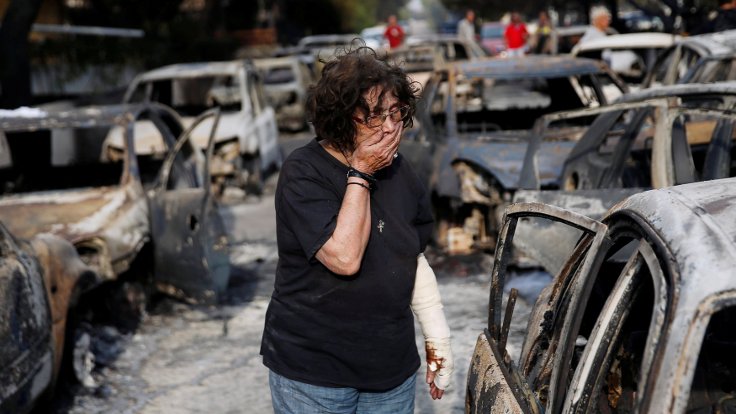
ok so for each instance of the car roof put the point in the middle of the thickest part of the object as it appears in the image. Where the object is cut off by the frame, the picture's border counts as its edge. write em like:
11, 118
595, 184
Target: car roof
191, 70
628, 41
697, 221
434, 37
328, 38
688, 89
529, 67
32, 119
578, 29
712, 43
262, 63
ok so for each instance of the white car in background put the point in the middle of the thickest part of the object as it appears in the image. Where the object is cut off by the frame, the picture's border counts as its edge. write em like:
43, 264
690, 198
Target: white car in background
246, 139
374, 38
632, 55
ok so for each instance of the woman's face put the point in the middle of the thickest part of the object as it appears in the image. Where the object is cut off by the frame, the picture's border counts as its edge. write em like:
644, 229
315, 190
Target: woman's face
379, 105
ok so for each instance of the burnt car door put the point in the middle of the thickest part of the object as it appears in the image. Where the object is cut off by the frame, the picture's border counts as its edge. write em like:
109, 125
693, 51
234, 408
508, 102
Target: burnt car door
189, 242
624, 333
495, 382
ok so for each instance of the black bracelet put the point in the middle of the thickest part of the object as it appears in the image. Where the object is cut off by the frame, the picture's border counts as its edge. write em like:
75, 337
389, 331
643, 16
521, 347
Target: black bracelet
368, 177
360, 184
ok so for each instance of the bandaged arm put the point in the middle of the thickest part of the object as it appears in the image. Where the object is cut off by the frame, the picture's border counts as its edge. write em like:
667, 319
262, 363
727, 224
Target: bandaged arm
427, 307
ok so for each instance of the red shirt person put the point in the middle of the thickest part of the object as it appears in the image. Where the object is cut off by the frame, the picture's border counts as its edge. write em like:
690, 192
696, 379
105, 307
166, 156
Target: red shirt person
515, 36
394, 33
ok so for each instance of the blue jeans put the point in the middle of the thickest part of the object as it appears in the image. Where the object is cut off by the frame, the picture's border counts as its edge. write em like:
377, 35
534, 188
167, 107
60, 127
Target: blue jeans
294, 397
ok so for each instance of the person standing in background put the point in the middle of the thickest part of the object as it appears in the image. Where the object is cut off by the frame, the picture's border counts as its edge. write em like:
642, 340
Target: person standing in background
515, 36
543, 36
466, 26
600, 19
394, 33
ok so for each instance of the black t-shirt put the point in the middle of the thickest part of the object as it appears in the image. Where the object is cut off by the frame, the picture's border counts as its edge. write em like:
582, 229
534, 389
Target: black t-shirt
357, 331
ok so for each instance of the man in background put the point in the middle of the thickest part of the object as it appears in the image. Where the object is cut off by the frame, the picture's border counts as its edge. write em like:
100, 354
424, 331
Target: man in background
466, 26
394, 33
515, 36
600, 20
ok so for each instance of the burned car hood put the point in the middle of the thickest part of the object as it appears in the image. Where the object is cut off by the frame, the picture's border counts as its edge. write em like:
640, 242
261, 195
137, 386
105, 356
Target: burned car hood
71, 215
503, 160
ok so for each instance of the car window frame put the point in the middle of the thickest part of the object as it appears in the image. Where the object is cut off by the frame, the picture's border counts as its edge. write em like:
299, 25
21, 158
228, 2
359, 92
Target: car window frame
593, 241
597, 355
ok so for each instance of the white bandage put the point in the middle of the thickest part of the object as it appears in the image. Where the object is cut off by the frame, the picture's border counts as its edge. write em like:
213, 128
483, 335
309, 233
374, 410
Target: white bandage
427, 306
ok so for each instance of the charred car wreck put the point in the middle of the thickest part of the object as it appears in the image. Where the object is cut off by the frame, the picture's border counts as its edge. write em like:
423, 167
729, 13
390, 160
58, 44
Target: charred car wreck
92, 223
638, 318
474, 122
34, 277
246, 141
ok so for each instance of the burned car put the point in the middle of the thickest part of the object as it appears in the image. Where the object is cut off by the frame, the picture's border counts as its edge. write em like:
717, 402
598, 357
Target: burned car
476, 115
124, 212
632, 55
452, 48
285, 83
651, 139
35, 278
639, 318
695, 59
418, 61
246, 144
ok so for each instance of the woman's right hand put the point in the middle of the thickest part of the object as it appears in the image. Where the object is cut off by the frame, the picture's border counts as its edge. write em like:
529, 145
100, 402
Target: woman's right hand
377, 149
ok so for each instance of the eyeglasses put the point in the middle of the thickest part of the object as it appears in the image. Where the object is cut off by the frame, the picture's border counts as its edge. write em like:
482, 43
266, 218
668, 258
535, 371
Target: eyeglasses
375, 121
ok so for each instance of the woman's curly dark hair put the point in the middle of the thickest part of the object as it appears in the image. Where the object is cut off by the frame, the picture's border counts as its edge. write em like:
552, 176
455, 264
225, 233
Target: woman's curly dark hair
332, 102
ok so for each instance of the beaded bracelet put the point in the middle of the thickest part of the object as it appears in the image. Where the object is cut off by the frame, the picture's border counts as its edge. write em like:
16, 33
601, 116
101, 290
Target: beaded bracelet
360, 184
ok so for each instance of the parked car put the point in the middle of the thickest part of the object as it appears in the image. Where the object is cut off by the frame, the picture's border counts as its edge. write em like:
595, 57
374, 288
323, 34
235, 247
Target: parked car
122, 211
374, 37
564, 38
652, 139
476, 115
638, 319
639, 21
246, 141
327, 43
285, 83
319, 48
492, 38
452, 47
36, 282
418, 61
682, 62
630, 55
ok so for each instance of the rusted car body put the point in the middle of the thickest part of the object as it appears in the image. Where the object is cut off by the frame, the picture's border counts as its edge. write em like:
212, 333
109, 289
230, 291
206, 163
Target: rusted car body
418, 61
632, 55
474, 118
638, 319
115, 209
695, 59
451, 47
35, 278
246, 144
651, 139
285, 83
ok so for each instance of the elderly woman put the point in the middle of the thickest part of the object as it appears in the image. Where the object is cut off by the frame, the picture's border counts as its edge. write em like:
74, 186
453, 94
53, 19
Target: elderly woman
352, 222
